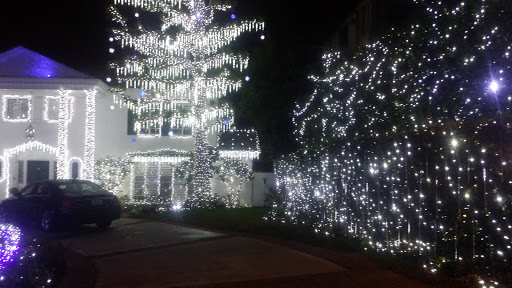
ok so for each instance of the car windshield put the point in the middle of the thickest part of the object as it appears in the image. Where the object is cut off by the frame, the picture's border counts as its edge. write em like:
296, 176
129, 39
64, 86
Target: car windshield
80, 188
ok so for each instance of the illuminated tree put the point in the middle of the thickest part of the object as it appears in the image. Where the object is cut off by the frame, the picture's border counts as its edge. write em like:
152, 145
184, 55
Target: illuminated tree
178, 58
111, 172
403, 143
231, 172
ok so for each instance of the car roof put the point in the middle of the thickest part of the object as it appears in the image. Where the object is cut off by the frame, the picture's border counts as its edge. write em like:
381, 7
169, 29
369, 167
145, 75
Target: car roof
64, 181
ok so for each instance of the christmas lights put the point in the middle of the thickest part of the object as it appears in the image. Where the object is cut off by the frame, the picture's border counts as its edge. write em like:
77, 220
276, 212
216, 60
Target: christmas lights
90, 122
32, 145
231, 171
110, 173
186, 66
10, 237
403, 145
51, 109
62, 140
17, 108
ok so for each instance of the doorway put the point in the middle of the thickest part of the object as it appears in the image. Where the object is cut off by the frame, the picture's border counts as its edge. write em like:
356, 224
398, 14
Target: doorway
37, 171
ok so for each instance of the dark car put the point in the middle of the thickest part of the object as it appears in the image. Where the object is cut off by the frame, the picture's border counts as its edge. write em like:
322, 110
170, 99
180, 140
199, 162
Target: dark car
53, 203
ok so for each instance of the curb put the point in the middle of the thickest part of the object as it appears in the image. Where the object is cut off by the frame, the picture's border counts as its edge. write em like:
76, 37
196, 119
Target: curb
80, 270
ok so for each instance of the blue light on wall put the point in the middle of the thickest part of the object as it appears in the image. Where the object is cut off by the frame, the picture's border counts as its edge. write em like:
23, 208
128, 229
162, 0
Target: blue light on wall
233, 16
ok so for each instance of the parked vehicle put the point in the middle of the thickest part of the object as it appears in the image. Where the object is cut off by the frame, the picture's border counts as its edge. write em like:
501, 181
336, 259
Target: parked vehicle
53, 203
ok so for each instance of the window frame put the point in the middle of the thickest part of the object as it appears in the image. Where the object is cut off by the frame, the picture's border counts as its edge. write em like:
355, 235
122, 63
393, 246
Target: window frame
5, 101
47, 110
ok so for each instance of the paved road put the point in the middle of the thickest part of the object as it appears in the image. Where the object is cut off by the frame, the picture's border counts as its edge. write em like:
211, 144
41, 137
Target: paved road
138, 253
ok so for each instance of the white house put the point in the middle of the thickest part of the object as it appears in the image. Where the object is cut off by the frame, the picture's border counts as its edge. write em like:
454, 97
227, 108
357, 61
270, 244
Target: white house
56, 122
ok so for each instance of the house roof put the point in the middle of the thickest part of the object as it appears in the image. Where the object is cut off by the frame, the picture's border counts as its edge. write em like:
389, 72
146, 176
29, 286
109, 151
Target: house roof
238, 140
23, 63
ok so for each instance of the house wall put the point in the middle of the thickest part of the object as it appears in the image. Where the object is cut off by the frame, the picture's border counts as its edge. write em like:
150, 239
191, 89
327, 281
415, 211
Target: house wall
45, 133
111, 138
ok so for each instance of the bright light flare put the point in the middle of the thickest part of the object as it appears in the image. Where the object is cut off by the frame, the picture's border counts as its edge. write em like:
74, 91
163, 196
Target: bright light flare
494, 86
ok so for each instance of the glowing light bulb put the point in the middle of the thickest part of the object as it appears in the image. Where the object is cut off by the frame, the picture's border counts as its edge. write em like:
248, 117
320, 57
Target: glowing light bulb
494, 86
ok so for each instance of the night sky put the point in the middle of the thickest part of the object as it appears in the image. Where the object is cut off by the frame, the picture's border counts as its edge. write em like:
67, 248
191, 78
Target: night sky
76, 32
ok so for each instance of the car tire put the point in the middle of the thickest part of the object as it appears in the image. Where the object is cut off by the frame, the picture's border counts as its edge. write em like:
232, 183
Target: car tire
103, 223
48, 221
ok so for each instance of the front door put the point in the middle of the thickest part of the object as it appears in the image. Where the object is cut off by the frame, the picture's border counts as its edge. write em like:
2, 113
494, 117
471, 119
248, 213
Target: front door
38, 171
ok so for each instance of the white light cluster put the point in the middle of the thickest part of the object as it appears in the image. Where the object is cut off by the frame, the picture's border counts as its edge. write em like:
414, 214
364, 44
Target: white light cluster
110, 173
240, 154
6, 118
239, 149
175, 66
90, 126
62, 140
230, 172
159, 159
404, 144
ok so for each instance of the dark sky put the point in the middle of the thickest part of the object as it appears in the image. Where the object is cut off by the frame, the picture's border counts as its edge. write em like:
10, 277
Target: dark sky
75, 32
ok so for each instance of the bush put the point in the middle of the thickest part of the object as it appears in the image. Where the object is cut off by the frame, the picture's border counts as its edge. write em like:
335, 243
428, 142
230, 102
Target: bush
37, 264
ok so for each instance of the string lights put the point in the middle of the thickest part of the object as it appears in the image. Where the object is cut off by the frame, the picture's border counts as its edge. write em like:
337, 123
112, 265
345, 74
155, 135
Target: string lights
180, 67
238, 144
32, 145
90, 122
404, 144
110, 173
62, 138
17, 108
230, 172
10, 237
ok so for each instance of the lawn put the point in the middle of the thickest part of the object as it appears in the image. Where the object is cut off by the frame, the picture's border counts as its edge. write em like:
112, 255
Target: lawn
241, 220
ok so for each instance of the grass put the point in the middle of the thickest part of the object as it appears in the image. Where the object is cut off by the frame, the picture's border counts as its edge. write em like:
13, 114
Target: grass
246, 221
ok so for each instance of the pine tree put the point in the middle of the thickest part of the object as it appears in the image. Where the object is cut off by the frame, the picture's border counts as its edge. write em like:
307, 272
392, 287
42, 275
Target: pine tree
178, 59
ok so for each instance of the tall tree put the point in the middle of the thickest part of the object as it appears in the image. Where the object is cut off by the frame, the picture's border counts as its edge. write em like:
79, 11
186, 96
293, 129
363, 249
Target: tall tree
178, 57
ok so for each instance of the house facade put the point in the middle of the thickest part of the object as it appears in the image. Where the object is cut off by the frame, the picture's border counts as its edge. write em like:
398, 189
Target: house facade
57, 122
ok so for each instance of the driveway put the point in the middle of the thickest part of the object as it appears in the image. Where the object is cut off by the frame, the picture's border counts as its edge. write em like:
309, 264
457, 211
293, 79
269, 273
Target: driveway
140, 253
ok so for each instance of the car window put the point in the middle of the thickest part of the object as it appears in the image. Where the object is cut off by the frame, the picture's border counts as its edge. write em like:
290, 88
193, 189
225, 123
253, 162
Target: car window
28, 189
42, 189
80, 188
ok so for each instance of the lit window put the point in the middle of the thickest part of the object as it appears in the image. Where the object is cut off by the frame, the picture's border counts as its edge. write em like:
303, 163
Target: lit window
149, 123
17, 108
51, 109
180, 124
